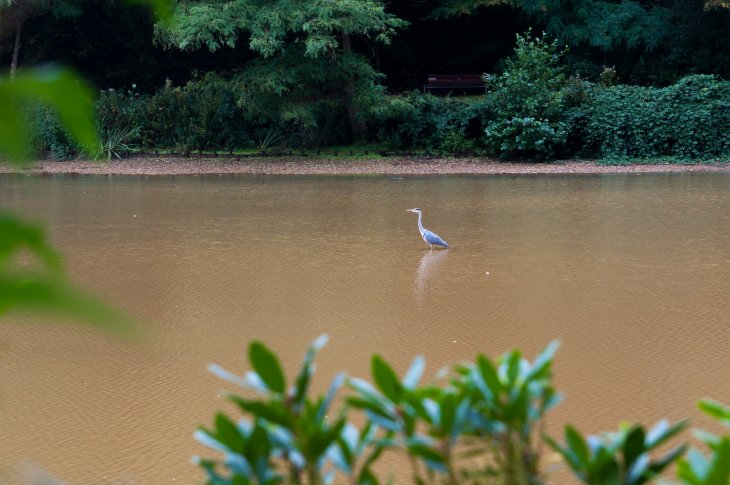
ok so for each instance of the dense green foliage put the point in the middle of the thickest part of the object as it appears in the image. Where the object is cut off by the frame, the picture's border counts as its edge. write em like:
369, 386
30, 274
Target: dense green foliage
417, 121
480, 422
648, 41
527, 104
622, 457
309, 74
531, 111
688, 119
492, 409
304, 51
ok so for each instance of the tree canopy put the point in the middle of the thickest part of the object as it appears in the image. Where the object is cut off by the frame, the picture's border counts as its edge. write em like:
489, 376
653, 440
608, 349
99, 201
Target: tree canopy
304, 48
650, 42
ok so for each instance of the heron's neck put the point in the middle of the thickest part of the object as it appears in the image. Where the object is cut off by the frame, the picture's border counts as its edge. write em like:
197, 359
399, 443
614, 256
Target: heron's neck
420, 224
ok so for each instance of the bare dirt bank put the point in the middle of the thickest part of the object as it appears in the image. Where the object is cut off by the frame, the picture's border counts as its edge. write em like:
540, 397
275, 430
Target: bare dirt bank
354, 166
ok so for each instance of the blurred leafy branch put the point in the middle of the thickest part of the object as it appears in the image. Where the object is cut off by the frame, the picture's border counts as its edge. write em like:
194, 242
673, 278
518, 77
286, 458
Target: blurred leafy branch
478, 422
58, 88
32, 277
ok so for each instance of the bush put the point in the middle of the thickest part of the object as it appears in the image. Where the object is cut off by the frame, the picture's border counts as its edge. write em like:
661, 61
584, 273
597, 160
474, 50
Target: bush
420, 120
688, 119
210, 114
528, 105
200, 115
531, 111
482, 423
491, 409
48, 135
121, 111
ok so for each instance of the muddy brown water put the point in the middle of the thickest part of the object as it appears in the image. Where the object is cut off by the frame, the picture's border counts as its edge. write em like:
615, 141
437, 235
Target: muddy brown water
630, 272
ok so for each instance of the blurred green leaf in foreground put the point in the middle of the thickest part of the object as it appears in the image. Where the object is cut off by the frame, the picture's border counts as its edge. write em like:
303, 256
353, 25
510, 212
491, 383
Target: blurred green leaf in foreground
39, 284
32, 279
56, 87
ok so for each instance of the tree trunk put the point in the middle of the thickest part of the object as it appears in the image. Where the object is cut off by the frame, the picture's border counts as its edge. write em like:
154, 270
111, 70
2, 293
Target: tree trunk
16, 48
357, 125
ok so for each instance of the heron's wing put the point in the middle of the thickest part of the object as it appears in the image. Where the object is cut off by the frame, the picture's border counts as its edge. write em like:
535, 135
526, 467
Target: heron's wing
433, 238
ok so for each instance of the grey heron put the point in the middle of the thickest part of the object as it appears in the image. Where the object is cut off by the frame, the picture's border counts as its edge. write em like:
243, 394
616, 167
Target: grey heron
431, 238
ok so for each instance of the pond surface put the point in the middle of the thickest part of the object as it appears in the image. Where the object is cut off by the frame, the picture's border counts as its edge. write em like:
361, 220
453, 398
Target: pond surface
631, 273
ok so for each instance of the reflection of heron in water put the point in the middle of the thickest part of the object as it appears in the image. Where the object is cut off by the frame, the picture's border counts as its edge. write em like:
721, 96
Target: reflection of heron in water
431, 238
429, 262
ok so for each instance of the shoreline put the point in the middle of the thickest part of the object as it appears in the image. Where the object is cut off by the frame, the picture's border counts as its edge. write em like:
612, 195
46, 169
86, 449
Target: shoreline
345, 166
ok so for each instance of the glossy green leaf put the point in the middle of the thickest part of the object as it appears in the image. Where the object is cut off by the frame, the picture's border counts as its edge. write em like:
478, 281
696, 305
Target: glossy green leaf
431, 457
543, 362
517, 407
250, 380
273, 411
633, 445
307, 369
321, 440
208, 438
609, 474
573, 461
658, 466
719, 473
511, 366
258, 446
367, 477
716, 410
386, 379
635, 475
58, 88
368, 397
662, 432
267, 366
368, 405
489, 374
550, 400
331, 392
577, 445
694, 468
347, 448
710, 439
448, 413
410, 380
227, 433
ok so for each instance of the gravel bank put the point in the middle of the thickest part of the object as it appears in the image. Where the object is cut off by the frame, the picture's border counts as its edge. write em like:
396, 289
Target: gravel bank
354, 166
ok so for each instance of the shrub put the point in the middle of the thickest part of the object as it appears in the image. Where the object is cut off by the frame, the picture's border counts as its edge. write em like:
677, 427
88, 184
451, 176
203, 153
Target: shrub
528, 103
203, 114
489, 408
688, 119
48, 134
122, 111
420, 121
311, 124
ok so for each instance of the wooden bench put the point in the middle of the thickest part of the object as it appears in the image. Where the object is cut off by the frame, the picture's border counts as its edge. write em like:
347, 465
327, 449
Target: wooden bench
454, 83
